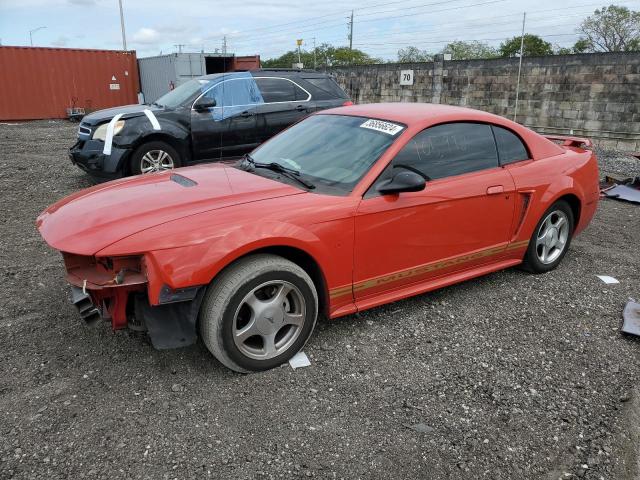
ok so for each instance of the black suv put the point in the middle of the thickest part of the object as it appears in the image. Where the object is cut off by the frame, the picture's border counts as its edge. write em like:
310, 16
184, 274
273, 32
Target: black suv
210, 118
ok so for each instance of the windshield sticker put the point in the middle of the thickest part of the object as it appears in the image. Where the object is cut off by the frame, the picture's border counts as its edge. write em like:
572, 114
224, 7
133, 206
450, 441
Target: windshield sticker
380, 126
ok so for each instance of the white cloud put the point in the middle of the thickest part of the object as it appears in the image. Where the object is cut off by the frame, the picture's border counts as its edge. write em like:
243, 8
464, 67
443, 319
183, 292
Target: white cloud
146, 36
61, 41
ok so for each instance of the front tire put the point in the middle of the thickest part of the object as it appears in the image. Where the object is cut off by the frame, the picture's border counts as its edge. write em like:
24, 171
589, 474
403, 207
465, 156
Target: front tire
258, 313
154, 156
551, 239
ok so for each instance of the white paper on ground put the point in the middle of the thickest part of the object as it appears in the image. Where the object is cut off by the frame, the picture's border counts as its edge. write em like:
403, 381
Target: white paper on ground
299, 360
607, 279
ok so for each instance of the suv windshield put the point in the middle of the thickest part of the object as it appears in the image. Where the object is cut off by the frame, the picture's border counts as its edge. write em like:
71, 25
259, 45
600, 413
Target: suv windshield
333, 151
181, 94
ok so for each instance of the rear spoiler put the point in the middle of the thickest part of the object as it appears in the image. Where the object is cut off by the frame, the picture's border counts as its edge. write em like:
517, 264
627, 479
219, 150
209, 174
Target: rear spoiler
577, 142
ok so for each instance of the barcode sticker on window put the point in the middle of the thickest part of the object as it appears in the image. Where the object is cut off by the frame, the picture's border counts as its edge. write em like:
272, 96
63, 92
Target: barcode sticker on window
380, 126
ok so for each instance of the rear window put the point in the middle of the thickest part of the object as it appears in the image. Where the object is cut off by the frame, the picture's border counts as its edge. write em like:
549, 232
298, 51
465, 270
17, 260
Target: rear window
510, 147
279, 90
326, 88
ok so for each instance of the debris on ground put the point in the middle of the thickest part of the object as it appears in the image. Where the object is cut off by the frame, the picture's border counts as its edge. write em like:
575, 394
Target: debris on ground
621, 189
607, 279
631, 317
299, 360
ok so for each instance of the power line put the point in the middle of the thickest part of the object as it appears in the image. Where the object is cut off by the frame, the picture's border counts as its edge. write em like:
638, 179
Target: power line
382, 18
340, 13
247, 38
474, 28
469, 40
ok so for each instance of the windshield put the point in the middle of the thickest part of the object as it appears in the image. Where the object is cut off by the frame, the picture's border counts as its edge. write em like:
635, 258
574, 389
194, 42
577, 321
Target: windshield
334, 151
181, 94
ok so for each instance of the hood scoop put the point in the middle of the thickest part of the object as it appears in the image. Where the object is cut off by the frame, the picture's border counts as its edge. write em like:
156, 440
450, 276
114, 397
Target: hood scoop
184, 181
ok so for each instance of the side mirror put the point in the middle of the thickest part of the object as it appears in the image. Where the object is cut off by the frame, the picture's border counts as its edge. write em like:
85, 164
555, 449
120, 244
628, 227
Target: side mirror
403, 181
204, 104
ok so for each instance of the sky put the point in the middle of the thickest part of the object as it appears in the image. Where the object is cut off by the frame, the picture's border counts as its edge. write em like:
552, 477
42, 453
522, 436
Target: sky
270, 28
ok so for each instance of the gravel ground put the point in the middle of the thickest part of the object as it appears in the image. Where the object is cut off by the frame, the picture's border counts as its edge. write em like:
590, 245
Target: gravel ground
507, 376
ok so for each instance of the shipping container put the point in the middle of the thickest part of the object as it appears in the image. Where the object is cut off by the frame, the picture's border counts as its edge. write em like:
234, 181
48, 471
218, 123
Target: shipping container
162, 73
44, 82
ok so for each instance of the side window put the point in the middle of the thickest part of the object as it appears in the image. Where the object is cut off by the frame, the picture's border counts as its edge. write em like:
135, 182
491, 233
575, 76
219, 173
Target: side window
326, 88
301, 95
510, 147
233, 93
450, 149
277, 90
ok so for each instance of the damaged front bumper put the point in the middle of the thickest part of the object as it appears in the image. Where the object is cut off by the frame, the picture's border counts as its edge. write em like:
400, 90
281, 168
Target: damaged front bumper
115, 290
87, 155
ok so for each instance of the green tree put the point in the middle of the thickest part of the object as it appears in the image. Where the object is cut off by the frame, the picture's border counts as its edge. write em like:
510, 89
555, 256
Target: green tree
581, 46
534, 46
563, 51
413, 55
611, 29
461, 50
326, 56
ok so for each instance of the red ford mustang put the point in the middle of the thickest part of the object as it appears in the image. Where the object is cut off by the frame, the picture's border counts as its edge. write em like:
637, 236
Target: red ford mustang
349, 209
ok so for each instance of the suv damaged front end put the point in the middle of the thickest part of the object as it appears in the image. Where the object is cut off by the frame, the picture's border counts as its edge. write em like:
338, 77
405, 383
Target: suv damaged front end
118, 289
88, 153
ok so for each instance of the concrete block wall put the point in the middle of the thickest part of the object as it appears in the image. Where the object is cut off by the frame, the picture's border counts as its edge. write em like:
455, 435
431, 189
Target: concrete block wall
594, 95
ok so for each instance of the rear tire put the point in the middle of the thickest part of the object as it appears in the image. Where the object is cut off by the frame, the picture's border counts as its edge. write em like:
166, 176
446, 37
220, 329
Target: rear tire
551, 239
154, 156
258, 313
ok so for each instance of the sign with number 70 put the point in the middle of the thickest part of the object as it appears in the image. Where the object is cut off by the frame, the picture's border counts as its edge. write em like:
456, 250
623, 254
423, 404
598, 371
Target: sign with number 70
406, 77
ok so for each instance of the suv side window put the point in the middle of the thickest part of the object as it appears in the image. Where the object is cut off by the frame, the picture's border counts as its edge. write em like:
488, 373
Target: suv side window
301, 95
279, 90
510, 147
450, 149
231, 93
326, 88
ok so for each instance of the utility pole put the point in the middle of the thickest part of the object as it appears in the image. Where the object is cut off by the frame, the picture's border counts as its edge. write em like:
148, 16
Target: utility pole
515, 110
179, 46
351, 32
124, 37
224, 46
31, 32
314, 53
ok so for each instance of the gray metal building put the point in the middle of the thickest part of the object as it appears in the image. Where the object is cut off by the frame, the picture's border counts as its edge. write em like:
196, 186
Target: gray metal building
160, 74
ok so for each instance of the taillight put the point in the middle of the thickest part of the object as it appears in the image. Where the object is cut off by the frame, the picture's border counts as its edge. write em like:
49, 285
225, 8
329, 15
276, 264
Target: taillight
347, 103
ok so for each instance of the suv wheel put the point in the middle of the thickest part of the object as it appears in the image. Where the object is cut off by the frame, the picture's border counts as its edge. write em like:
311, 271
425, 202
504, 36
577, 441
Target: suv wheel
154, 157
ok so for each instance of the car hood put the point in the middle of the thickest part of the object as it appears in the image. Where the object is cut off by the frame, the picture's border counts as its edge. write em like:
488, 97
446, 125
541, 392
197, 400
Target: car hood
127, 111
92, 219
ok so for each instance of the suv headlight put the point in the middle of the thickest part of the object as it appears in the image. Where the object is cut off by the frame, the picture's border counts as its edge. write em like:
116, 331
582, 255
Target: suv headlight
101, 131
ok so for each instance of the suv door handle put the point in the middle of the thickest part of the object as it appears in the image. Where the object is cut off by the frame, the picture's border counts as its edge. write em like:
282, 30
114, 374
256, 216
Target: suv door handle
246, 114
301, 108
495, 189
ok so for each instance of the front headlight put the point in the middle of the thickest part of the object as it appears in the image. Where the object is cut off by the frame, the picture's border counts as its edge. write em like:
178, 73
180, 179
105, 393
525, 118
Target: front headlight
101, 131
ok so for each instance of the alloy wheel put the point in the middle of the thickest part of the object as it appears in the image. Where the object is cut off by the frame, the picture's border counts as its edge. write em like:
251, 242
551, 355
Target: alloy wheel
269, 320
552, 237
156, 161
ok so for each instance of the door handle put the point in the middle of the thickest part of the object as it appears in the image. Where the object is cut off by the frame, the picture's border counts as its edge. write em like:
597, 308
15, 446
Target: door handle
246, 114
495, 189
301, 108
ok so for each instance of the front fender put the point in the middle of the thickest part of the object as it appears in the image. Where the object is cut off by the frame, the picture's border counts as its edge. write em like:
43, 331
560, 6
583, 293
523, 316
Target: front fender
139, 130
199, 263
